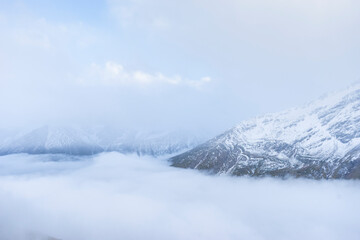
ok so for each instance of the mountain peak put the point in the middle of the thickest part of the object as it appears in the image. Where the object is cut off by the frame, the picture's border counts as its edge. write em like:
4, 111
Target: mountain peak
319, 134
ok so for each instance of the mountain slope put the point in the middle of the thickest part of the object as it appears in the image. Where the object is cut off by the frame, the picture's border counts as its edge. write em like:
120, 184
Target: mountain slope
319, 140
87, 141
51, 140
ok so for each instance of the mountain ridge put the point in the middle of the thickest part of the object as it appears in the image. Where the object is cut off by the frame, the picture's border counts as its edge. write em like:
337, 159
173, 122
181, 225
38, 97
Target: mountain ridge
317, 140
73, 140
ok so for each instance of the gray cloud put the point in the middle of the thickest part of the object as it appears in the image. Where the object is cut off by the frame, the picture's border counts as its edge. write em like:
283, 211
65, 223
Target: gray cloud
268, 55
113, 196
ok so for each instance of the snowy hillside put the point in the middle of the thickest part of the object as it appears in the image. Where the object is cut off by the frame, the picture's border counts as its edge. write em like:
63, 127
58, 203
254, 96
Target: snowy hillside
87, 141
319, 140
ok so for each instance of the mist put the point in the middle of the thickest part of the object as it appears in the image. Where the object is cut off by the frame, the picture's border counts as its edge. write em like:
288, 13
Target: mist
115, 196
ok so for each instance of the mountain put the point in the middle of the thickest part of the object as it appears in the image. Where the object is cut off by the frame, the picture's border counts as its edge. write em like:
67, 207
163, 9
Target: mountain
51, 140
320, 140
92, 140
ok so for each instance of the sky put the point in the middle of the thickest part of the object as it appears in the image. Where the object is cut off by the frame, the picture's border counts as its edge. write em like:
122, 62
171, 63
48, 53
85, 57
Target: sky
115, 196
189, 64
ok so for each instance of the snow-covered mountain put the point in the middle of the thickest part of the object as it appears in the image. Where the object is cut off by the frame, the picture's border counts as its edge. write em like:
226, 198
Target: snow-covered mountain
92, 140
319, 140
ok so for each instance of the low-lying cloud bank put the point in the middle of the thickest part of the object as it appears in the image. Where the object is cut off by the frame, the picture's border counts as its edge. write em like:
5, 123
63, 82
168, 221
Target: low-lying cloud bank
112, 196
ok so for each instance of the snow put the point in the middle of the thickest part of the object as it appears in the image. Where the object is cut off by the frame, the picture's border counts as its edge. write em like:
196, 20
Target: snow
85, 140
318, 140
304, 127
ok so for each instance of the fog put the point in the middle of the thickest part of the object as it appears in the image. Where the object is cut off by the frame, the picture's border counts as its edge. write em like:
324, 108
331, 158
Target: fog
114, 196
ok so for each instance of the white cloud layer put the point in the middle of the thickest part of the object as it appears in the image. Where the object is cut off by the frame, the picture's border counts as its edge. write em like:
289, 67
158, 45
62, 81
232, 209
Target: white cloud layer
113, 196
114, 74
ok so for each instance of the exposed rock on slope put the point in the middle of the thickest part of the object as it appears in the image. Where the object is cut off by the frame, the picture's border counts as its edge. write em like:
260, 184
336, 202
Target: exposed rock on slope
319, 140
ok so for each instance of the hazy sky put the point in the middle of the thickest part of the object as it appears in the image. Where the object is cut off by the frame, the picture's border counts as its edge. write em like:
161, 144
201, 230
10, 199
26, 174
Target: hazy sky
171, 64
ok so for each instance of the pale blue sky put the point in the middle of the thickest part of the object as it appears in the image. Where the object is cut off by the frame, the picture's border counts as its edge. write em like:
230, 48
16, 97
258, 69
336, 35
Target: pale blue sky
170, 64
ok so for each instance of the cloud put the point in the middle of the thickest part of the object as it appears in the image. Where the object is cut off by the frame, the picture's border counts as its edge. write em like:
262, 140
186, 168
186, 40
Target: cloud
130, 13
39, 33
287, 52
113, 196
34, 37
114, 74
265, 48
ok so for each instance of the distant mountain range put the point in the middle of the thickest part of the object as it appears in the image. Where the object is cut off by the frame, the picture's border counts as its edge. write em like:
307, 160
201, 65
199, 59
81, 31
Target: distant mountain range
87, 141
320, 140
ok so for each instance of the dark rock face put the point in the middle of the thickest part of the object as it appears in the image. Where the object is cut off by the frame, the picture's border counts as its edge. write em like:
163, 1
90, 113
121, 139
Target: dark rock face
318, 141
239, 162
